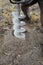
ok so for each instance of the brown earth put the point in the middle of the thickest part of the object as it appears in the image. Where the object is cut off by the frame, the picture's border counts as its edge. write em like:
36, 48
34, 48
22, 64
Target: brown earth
15, 51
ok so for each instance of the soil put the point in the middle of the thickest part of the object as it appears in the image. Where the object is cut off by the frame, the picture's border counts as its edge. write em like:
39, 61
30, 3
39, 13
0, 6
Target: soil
14, 51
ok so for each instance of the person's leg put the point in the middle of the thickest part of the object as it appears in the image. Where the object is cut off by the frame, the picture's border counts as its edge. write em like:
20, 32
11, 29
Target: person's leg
25, 8
41, 17
41, 20
41, 13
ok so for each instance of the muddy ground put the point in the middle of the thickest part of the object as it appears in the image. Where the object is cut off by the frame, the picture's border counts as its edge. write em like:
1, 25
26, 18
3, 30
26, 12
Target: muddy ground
14, 51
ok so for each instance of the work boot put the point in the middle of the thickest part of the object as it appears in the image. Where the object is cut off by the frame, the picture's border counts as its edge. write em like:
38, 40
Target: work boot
25, 19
